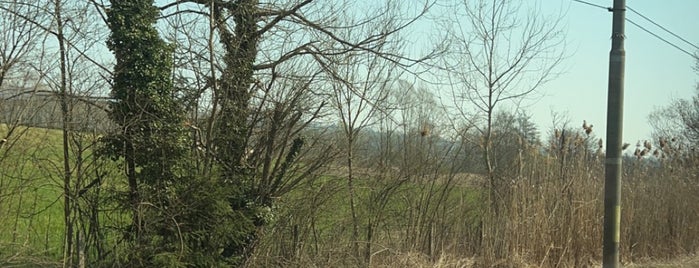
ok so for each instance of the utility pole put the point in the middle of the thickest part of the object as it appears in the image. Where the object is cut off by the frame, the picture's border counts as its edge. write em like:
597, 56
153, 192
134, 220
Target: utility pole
612, 163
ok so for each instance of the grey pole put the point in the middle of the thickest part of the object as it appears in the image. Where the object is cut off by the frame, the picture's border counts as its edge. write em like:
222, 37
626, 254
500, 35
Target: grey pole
612, 163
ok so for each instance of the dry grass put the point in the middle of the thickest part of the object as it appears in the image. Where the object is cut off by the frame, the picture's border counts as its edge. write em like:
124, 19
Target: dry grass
684, 262
547, 212
552, 217
419, 260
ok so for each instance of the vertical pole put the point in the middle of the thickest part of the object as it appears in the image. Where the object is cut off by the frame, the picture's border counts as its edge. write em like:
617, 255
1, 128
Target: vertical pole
615, 105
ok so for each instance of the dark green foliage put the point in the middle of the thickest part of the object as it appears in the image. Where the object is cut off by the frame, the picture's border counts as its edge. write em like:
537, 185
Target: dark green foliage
144, 107
235, 83
231, 132
179, 219
191, 227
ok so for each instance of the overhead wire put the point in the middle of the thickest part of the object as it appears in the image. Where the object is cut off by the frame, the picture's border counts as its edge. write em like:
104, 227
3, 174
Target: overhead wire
591, 4
661, 27
649, 31
662, 39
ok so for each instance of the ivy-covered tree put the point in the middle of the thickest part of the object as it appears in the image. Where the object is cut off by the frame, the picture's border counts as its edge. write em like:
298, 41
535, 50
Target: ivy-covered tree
150, 136
177, 218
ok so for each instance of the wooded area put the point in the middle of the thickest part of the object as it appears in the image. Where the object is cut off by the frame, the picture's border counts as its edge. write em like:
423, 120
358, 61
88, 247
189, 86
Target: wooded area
302, 133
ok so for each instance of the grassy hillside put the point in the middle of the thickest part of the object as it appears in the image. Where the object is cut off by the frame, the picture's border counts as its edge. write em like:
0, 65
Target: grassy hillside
405, 219
31, 190
30, 193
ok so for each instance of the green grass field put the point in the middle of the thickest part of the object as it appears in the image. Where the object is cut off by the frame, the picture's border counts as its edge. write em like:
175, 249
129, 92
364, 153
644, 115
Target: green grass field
31, 206
405, 218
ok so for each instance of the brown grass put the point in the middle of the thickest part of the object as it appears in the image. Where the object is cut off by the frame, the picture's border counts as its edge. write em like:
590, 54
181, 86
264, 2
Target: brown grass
549, 214
683, 262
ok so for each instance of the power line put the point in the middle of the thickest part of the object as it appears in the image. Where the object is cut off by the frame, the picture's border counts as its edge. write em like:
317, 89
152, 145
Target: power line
649, 31
661, 27
591, 4
662, 39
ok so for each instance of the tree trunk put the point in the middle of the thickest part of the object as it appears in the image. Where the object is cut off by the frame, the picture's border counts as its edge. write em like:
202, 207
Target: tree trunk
350, 188
234, 88
65, 113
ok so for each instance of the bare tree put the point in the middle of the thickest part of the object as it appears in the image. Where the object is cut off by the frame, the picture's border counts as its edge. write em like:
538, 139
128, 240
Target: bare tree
503, 52
361, 88
19, 40
677, 123
19, 37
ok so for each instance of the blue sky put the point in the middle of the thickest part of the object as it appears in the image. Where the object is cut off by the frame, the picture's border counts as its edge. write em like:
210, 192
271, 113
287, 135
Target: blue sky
656, 73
